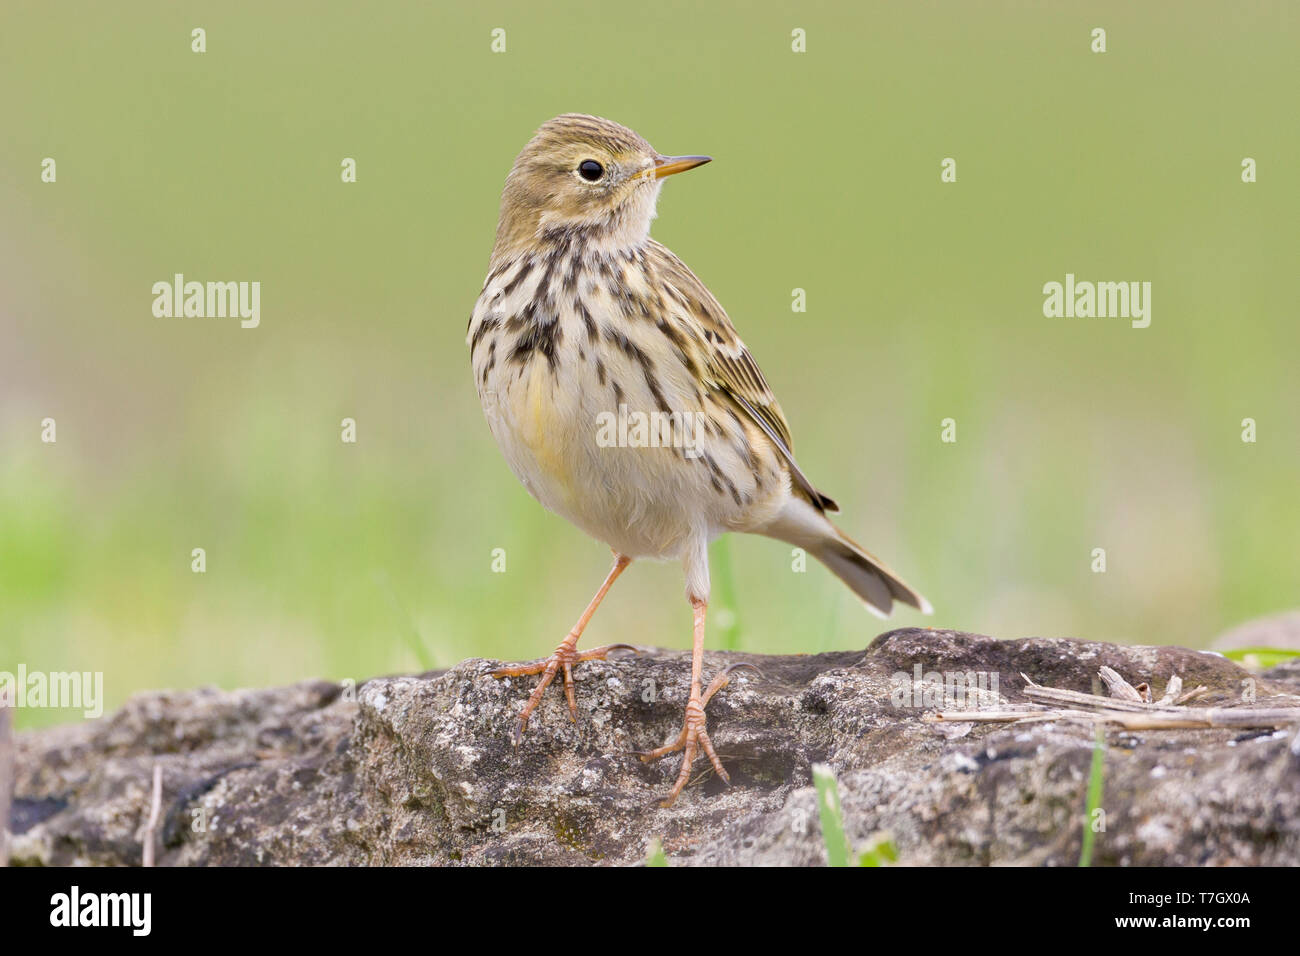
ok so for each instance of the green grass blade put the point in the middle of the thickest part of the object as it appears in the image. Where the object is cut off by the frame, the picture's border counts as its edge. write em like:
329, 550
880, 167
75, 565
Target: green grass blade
880, 851
656, 857
411, 633
1095, 780
828, 806
725, 611
1261, 658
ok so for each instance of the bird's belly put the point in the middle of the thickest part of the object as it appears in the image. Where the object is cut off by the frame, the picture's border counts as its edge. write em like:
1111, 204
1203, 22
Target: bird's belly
645, 493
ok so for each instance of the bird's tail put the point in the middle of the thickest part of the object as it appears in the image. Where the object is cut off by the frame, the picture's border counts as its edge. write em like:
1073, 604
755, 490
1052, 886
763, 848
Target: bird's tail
804, 526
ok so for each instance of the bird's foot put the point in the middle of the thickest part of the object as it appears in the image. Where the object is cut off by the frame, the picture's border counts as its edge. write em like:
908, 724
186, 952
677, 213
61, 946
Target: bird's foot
695, 735
565, 656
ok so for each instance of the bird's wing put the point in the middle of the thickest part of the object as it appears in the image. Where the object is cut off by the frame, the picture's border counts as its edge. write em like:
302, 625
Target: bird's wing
727, 364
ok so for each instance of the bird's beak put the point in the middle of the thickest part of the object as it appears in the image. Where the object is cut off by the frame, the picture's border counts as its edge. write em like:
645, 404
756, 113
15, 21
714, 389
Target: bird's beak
670, 165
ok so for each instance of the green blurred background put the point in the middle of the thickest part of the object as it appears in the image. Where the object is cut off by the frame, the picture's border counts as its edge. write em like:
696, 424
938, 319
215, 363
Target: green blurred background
924, 302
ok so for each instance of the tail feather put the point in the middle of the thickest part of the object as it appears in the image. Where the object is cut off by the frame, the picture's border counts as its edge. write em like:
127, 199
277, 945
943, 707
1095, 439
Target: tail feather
866, 575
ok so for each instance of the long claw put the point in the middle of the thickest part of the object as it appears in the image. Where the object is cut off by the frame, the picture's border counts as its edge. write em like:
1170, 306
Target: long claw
520, 670
649, 755
601, 653
568, 692
723, 678
548, 675
683, 776
707, 746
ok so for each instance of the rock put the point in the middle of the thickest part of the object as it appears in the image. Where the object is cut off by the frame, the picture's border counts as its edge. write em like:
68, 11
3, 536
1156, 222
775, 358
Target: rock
421, 770
1280, 631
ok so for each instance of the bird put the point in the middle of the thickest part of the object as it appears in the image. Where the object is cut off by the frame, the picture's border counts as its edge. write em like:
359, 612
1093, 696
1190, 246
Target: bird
622, 397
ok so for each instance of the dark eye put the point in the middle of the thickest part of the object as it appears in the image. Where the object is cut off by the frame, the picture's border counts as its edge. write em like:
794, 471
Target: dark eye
590, 170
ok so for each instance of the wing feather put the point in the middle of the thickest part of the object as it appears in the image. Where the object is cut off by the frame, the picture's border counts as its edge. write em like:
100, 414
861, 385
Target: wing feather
727, 365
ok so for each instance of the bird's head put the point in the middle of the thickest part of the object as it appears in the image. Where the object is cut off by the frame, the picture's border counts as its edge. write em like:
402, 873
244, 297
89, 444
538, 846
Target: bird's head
584, 174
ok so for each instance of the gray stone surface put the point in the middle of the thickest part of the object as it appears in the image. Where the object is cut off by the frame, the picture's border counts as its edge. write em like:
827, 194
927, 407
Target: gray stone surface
420, 770
1280, 631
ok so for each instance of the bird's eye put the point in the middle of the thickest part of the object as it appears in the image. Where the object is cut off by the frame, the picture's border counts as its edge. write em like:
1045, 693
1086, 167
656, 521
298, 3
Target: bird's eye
590, 170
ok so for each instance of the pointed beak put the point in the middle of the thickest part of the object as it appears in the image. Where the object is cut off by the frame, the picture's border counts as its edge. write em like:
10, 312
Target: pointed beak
670, 165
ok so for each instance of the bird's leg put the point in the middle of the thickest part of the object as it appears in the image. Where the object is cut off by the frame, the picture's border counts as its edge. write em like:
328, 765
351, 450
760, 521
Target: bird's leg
566, 655
695, 733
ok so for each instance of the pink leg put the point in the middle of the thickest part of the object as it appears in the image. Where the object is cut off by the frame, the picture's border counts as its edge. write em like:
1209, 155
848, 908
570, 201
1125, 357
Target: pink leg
565, 656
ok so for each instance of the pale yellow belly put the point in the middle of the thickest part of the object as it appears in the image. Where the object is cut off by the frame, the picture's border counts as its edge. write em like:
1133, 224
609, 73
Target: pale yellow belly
641, 501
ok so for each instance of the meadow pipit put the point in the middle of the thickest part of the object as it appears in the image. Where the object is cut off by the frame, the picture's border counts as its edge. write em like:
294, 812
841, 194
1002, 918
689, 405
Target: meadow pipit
585, 321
